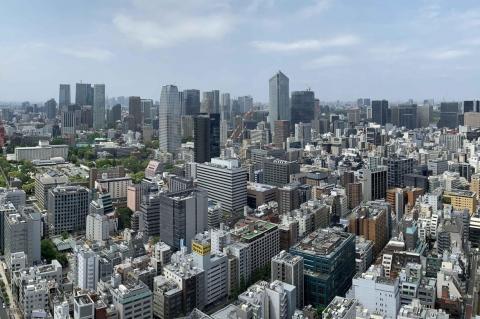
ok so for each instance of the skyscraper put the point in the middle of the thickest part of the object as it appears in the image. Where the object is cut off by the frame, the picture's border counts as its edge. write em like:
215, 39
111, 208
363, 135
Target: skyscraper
206, 136
380, 111
448, 115
169, 119
82, 93
135, 111
191, 102
64, 96
99, 106
51, 109
147, 105
279, 99
183, 214
225, 106
303, 106
404, 115
115, 114
211, 102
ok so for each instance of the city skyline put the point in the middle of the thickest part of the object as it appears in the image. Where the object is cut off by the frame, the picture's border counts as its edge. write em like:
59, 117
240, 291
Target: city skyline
341, 50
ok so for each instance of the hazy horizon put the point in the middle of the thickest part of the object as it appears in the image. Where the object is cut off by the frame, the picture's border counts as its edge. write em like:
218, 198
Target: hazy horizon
342, 50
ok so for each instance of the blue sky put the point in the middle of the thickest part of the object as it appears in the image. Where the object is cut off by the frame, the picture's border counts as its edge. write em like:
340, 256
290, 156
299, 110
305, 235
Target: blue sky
341, 49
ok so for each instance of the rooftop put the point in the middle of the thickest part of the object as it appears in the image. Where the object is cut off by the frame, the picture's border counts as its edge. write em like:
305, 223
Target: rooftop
323, 241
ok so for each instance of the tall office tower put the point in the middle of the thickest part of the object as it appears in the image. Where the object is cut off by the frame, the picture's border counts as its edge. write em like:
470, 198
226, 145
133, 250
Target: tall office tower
424, 115
147, 106
245, 104
281, 132
225, 106
169, 119
404, 115
288, 198
223, 133
448, 115
87, 270
475, 184
303, 132
183, 214
279, 99
51, 109
374, 182
67, 209
397, 167
99, 106
135, 110
64, 96
209, 102
21, 232
334, 250
115, 113
469, 106
206, 137
369, 222
303, 106
226, 183
82, 94
289, 268
276, 172
380, 111
354, 194
191, 102
69, 120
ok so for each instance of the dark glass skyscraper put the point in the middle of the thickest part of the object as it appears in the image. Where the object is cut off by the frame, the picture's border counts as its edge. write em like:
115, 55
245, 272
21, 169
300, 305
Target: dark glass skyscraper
404, 115
206, 136
303, 106
448, 115
191, 102
380, 111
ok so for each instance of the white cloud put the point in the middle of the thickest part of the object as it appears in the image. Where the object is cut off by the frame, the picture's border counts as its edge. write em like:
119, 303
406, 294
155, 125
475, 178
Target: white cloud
448, 54
88, 53
306, 45
158, 24
317, 7
328, 61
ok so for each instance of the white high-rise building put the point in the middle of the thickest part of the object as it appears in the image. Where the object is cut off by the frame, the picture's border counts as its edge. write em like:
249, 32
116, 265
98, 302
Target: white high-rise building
87, 268
226, 183
99, 106
225, 106
377, 293
279, 99
169, 119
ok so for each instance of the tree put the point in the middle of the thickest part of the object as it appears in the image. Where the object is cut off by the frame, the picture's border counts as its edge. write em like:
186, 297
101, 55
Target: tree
29, 188
124, 217
57, 141
137, 177
48, 250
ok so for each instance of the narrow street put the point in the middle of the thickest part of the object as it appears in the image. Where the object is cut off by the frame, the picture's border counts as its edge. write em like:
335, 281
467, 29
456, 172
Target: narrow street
12, 309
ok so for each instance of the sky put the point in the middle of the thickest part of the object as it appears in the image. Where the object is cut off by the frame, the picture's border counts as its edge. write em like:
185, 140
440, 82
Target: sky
341, 49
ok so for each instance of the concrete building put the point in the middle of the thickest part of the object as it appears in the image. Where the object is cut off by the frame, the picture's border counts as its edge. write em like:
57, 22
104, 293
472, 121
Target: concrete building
99, 106
167, 298
83, 307
461, 199
133, 300
263, 240
116, 187
279, 99
397, 168
169, 119
214, 265
46, 181
277, 172
22, 233
259, 194
371, 223
226, 183
183, 214
374, 182
44, 151
67, 209
376, 293
87, 268
340, 308
329, 264
133, 197
288, 268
